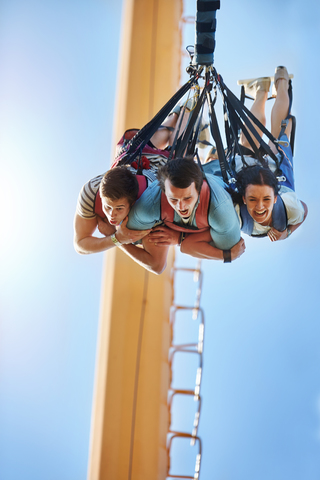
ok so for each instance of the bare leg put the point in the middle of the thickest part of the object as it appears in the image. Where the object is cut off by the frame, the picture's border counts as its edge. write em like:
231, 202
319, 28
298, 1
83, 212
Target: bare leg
280, 110
184, 114
163, 136
160, 139
258, 110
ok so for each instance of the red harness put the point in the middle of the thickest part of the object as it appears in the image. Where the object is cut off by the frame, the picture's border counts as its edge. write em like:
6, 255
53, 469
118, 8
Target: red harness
122, 147
167, 212
98, 210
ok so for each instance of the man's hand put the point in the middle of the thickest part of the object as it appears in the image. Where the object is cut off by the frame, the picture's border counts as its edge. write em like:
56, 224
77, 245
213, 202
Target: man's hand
104, 227
238, 249
163, 236
275, 235
125, 236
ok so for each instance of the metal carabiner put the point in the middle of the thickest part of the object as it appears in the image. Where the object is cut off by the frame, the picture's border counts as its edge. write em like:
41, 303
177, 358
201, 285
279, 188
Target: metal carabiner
283, 143
281, 179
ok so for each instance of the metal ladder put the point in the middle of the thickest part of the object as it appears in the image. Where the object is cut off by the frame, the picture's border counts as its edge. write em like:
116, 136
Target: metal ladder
194, 313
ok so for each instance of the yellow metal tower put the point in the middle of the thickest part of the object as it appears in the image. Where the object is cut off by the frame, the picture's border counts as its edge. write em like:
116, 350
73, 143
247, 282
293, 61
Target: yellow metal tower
130, 416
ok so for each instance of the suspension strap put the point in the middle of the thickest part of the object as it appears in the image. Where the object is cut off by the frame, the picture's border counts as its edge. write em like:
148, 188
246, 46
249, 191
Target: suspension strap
193, 141
139, 141
188, 132
242, 117
177, 138
215, 132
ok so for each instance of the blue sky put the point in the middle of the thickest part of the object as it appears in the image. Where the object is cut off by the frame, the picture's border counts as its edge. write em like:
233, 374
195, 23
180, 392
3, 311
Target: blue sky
261, 387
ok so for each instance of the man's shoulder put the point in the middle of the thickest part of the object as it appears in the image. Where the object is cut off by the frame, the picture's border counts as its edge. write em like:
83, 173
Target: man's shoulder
146, 210
214, 181
87, 195
94, 182
151, 193
218, 192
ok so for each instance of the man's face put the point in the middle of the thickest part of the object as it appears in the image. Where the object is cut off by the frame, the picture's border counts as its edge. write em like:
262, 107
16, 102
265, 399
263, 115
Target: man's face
115, 210
182, 200
260, 200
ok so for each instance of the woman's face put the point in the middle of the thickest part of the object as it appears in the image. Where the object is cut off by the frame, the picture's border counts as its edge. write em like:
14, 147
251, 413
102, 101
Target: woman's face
260, 200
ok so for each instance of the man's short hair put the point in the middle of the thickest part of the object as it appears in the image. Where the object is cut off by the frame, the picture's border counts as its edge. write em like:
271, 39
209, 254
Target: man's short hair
118, 183
181, 172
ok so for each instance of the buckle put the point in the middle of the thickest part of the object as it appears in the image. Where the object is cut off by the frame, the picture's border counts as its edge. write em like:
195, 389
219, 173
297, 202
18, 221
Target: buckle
283, 143
281, 179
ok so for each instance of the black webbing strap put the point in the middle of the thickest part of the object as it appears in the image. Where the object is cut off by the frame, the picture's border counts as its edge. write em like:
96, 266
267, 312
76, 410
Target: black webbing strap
243, 117
205, 27
177, 138
188, 132
139, 141
215, 132
193, 141
293, 132
232, 136
199, 163
208, 5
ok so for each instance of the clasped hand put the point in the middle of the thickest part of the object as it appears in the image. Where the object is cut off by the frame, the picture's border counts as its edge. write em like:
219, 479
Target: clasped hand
238, 249
123, 234
275, 235
163, 236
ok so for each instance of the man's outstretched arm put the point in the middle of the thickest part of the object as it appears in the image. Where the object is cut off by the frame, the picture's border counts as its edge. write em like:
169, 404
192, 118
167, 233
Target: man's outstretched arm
198, 245
84, 240
150, 257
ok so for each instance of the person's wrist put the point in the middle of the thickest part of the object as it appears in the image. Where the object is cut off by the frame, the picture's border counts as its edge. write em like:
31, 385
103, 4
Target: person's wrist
226, 256
181, 238
115, 240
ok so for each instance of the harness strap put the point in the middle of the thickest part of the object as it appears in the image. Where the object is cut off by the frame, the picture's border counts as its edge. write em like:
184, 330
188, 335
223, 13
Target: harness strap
243, 115
143, 184
177, 139
188, 132
215, 132
146, 132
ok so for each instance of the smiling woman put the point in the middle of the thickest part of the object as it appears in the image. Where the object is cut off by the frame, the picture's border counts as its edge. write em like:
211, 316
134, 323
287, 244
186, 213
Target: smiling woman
267, 205
260, 200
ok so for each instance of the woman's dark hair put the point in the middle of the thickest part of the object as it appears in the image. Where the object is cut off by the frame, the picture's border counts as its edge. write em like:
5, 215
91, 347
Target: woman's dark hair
255, 175
181, 172
119, 182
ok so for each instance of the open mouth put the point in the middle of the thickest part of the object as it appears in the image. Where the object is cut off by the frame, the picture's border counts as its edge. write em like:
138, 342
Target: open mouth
113, 222
260, 214
183, 213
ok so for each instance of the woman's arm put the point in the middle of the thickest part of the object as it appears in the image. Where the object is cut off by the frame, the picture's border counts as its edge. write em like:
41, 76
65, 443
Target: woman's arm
275, 235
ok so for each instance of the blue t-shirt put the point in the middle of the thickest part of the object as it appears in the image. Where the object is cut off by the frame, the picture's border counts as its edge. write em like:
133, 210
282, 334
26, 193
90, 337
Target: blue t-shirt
222, 218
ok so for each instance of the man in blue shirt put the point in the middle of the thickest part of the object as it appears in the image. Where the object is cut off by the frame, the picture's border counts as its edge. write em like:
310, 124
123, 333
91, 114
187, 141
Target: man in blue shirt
200, 208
